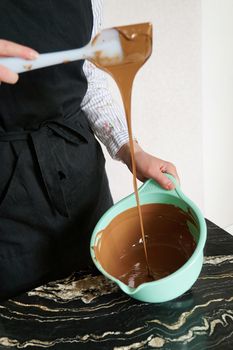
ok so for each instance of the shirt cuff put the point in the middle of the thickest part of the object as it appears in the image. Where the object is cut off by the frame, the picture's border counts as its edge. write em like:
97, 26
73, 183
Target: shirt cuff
116, 141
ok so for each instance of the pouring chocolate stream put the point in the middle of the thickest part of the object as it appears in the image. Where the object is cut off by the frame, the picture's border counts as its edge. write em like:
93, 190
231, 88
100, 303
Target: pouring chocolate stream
136, 41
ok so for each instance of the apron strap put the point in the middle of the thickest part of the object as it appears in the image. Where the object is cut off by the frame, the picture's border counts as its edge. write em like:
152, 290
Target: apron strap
46, 158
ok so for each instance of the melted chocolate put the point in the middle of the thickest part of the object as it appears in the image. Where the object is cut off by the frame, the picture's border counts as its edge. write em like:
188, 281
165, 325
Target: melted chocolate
169, 243
138, 248
136, 42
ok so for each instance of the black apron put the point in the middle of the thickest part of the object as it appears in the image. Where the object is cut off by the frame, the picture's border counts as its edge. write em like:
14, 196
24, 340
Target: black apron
53, 184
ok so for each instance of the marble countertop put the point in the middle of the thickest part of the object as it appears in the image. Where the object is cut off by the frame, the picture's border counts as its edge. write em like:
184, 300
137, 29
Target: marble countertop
86, 311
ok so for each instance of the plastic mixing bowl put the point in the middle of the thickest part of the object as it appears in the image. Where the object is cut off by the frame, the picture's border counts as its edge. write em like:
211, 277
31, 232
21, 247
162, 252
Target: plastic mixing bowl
181, 280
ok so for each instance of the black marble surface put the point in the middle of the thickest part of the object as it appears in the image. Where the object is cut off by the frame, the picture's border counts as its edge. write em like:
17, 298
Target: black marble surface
88, 312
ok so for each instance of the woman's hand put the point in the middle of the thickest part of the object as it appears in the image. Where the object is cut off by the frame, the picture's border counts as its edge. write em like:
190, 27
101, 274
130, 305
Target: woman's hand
7, 49
148, 166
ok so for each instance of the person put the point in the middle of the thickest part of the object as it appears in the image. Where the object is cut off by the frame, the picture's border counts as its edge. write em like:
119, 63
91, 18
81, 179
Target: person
53, 183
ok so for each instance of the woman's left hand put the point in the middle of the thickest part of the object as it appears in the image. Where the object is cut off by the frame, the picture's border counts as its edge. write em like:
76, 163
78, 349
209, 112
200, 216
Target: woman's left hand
148, 166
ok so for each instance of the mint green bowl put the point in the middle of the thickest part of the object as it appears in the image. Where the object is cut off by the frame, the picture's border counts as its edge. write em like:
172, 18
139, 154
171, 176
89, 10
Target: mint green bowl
181, 280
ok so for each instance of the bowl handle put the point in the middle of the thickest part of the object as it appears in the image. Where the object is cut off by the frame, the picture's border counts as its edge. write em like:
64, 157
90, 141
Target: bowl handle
153, 186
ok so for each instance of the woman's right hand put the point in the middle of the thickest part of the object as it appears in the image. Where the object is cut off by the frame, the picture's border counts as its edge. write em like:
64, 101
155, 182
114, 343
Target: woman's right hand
7, 49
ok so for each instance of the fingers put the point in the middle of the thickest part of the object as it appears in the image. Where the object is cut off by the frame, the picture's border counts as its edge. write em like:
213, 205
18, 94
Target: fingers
7, 76
170, 169
162, 179
8, 48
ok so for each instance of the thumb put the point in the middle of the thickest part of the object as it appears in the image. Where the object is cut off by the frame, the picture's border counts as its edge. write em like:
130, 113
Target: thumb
165, 182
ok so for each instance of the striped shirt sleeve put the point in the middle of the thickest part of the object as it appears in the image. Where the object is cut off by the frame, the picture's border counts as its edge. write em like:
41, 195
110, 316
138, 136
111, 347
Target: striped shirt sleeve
105, 116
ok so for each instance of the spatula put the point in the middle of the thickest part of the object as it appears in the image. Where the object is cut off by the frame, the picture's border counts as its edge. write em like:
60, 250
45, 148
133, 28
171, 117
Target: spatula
106, 45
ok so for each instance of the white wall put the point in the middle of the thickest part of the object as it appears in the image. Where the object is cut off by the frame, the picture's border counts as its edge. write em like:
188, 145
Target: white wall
167, 91
183, 97
217, 53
